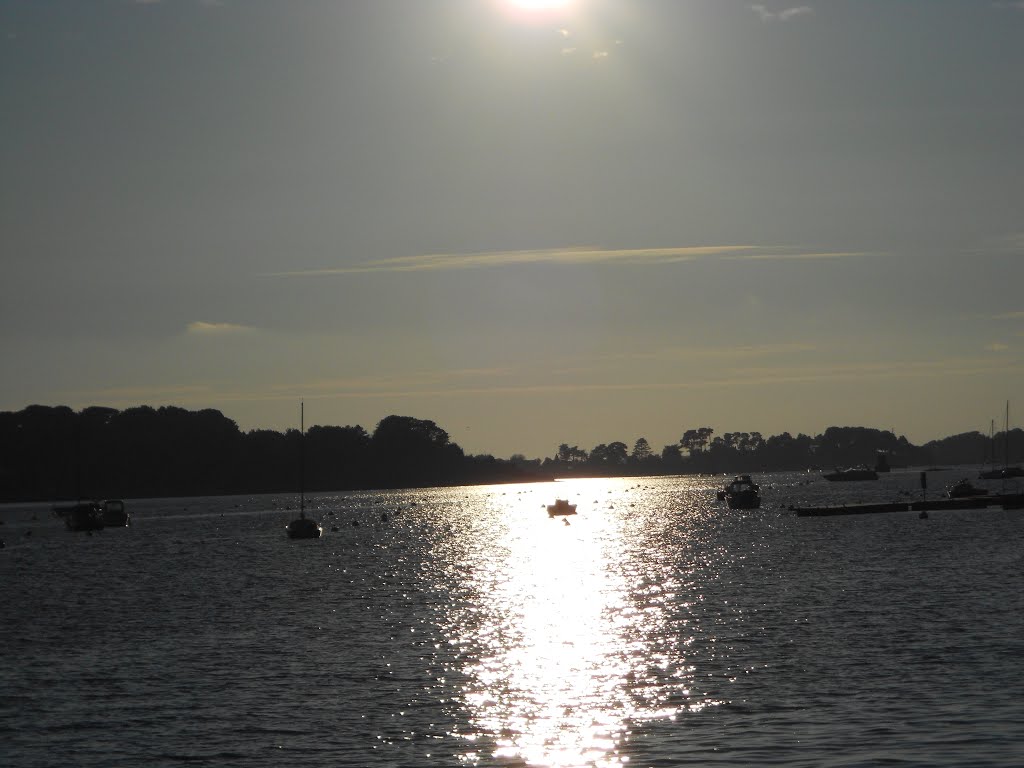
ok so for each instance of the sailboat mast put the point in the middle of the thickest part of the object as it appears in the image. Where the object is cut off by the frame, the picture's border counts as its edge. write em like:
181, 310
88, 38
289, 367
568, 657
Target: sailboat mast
302, 456
1006, 442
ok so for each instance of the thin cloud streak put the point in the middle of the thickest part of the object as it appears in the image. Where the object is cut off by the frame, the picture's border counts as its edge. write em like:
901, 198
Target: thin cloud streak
751, 377
1011, 244
202, 328
783, 15
874, 371
137, 394
431, 378
798, 256
705, 353
719, 354
738, 378
565, 256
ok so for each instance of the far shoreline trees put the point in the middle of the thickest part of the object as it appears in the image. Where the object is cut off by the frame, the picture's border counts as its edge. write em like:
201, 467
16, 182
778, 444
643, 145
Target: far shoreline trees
50, 453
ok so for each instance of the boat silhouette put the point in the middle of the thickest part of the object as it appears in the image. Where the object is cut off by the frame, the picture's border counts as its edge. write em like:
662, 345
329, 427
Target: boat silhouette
303, 527
561, 507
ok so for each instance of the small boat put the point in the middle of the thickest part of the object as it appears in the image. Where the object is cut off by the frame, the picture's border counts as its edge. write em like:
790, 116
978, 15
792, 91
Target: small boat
113, 513
92, 515
742, 493
852, 473
303, 527
965, 489
81, 516
561, 507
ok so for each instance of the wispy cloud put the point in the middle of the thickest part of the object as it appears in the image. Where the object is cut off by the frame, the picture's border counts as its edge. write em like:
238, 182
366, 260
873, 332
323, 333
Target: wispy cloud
1012, 243
1017, 6
140, 394
889, 370
737, 353
783, 15
204, 3
567, 256
1017, 315
788, 256
411, 381
490, 382
443, 386
1009, 244
202, 328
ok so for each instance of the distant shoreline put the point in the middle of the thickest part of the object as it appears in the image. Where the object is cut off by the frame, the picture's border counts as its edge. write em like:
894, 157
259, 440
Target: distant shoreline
53, 453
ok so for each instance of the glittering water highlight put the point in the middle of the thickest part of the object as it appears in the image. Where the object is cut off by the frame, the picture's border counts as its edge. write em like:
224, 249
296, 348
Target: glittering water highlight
463, 626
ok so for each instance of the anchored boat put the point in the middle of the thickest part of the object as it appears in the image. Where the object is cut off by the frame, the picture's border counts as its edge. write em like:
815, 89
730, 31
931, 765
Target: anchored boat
852, 473
741, 493
303, 527
965, 489
561, 507
93, 515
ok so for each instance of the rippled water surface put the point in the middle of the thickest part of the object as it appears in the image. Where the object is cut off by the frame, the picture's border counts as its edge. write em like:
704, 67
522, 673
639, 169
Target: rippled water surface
462, 626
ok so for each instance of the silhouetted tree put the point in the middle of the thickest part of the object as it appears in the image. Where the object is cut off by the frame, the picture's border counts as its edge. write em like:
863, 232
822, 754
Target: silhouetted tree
696, 440
573, 455
672, 458
641, 450
618, 453
608, 456
336, 457
412, 451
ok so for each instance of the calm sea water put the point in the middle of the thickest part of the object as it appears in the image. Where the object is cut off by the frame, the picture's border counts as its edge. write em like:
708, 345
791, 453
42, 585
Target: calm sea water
462, 626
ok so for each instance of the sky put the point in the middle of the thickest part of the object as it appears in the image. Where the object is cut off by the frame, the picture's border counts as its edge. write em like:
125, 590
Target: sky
532, 223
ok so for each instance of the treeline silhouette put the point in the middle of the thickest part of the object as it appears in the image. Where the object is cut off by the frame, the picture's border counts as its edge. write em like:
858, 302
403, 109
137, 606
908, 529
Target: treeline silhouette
55, 453
699, 451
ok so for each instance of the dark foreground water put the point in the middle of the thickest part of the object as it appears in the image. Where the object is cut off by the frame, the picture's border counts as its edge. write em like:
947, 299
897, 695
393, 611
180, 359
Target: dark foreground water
462, 626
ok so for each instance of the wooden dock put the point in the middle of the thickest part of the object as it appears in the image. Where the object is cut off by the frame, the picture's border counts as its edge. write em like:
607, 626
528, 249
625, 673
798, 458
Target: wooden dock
1001, 501
852, 509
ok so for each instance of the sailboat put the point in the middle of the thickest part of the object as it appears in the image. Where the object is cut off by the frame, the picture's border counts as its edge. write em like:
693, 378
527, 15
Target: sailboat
1007, 470
303, 527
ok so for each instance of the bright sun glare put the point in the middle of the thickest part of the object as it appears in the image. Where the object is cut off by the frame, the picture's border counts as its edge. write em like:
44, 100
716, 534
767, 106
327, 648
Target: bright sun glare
539, 5
533, 9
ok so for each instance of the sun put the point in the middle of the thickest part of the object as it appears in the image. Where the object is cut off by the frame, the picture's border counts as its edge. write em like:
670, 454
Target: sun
539, 5
537, 9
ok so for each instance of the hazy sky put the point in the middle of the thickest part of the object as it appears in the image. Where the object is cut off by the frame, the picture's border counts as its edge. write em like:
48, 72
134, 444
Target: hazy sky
583, 224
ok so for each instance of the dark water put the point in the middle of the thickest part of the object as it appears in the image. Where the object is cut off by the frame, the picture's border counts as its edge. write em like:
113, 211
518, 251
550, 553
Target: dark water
468, 628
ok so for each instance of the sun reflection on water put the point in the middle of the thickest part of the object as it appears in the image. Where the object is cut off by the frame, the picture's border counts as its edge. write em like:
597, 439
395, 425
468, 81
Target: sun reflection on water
573, 639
